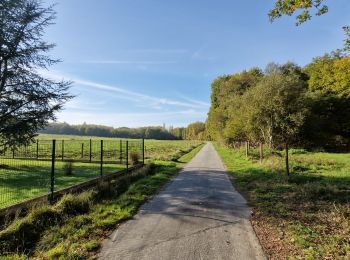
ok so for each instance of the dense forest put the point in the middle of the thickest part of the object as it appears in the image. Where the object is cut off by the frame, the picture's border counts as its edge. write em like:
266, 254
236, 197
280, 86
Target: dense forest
194, 131
286, 104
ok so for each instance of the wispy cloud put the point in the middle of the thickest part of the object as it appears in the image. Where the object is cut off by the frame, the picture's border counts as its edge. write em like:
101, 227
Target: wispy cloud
201, 55
129, 62
198, 102
157, 51
138, 97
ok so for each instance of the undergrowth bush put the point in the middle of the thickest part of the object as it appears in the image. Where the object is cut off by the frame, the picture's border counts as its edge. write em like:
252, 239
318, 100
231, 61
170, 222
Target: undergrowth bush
134, 158
68, 168
71, 204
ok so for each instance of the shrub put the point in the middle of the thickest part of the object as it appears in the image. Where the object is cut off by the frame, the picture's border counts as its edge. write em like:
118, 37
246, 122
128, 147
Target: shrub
106, 189
68, 168
75, 204
134, 158
24, 233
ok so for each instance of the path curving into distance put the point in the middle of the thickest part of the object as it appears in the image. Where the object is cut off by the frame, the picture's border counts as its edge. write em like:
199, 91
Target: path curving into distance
199, 215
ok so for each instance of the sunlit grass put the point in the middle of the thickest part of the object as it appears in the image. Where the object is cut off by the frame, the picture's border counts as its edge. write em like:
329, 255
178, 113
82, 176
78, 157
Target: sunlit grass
310, 208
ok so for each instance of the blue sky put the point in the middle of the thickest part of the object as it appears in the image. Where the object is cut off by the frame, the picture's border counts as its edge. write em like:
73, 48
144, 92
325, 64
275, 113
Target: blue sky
149, 62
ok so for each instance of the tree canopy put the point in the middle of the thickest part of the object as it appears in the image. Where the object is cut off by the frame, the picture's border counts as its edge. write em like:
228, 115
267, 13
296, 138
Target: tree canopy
302, 106
27, 99
305, 9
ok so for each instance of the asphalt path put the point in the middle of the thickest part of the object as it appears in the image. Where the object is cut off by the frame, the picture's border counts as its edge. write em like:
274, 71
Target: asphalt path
199, 215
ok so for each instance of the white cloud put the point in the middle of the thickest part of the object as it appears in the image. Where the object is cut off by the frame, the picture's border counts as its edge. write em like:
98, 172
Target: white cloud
134, 96
129, 62
158, 51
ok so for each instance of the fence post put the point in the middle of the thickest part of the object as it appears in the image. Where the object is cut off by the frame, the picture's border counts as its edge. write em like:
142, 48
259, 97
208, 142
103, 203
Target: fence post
82, 151
53, 155
246, 148
90, 150
62, 150
121, 151
261, 152
143, 151
37, 148
101, 167
127, 156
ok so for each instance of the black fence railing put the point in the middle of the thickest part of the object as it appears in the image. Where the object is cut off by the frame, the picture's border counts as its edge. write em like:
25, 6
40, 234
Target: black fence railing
46, 166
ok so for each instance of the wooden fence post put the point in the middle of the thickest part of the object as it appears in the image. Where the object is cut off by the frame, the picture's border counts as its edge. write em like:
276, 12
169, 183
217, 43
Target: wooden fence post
246, 149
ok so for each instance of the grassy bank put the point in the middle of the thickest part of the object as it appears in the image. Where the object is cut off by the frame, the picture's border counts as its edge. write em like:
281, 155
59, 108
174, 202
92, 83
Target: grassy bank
75, 227
304, 216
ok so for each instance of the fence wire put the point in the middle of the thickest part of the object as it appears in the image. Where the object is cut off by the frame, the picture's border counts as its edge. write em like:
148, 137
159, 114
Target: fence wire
27, 172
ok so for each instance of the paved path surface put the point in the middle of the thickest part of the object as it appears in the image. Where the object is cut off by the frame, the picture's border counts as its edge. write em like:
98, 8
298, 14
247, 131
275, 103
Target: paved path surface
199, 215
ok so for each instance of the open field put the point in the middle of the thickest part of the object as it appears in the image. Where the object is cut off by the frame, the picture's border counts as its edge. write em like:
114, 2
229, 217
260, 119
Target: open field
154, 149
26, 172
304, 216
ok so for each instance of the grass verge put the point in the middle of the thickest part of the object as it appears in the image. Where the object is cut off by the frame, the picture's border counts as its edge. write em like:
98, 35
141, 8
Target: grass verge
75, 226
305, 216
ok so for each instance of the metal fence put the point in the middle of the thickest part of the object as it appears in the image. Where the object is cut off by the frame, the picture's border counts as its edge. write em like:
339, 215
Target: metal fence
46, 166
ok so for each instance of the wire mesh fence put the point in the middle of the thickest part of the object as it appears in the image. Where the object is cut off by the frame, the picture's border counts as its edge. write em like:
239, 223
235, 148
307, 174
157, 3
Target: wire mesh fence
46, 166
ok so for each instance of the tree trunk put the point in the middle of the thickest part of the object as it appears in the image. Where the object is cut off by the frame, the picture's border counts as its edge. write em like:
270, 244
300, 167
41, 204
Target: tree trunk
261, 152
287, 160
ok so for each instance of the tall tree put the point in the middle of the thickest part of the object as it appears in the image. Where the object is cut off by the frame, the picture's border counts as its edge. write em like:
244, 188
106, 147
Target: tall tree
28, 100
347, 39
280, 106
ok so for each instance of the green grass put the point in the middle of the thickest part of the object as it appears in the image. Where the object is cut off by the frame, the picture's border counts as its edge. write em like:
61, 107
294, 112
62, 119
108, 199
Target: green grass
75, 227
188, 156
309, 212
155, 149
27, 179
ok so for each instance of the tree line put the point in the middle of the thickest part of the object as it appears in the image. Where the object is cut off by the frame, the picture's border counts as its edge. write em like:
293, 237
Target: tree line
194, 131
285, 104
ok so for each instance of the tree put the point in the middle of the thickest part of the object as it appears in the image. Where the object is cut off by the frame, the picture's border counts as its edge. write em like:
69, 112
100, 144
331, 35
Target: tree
306, 7
330, 74
226, 93
327, 125
28, 100
347, 39
195, 131
279, 106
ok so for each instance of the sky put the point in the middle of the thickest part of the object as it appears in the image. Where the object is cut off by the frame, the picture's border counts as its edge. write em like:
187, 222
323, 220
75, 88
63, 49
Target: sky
151, 62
